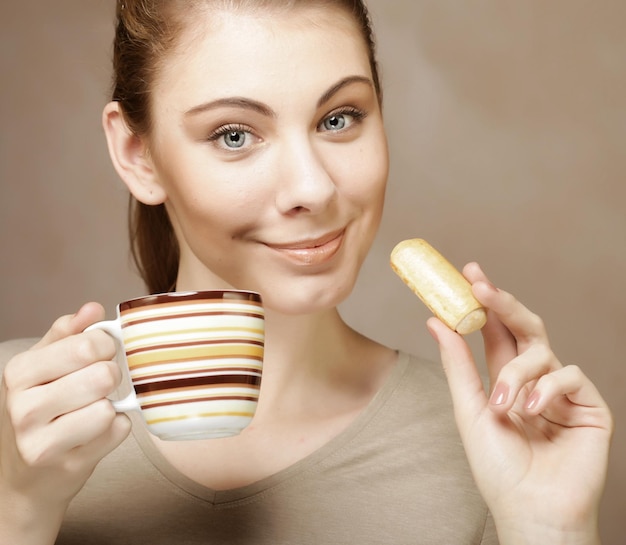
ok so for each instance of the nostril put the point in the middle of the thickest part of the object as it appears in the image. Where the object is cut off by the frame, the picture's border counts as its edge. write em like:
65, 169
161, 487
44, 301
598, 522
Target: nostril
298, 210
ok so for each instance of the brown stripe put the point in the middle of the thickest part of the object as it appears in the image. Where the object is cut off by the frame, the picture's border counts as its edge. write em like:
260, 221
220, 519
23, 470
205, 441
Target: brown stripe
189, 373
197, 381
194, 390
128, 323
174, 299
182, 393
197, 400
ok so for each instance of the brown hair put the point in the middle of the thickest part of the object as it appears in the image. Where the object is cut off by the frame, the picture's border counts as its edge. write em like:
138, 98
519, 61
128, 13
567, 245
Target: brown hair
146, 30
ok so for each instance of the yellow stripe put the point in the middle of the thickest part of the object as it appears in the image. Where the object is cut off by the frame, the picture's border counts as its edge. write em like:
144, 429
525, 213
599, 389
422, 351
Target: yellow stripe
202, 415
188, 354
203, 330
161, 398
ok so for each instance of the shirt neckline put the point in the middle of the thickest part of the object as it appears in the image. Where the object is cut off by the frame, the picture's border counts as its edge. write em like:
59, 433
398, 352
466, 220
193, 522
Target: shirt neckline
248, 492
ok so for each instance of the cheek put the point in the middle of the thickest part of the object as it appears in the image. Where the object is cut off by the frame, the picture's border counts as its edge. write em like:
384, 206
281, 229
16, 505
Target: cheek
217, 215
368, 173
209, 198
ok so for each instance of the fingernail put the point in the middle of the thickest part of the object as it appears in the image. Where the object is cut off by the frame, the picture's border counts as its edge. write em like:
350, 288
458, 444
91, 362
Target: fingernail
491, 286
499, 394
532, 400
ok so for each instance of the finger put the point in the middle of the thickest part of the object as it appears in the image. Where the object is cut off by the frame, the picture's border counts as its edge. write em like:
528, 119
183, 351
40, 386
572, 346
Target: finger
474, 273
39, 366
570, 397
466, 387
107, 441
42, 404
72, 324
86, 385
78, 464
499, 343
69, 432
526, 369
82, 426
525, 326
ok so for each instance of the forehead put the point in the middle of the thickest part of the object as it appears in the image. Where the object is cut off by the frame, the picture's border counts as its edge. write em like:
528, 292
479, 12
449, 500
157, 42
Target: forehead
261, 53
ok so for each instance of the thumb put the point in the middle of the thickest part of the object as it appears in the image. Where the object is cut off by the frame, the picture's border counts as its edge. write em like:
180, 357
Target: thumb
72, 324
464, 381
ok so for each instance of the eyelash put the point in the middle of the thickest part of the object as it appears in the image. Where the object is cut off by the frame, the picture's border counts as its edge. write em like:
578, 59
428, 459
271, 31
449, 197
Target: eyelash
356, 114
226, 129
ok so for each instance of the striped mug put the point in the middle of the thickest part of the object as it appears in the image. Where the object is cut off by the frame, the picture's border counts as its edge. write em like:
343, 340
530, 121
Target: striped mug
194, 360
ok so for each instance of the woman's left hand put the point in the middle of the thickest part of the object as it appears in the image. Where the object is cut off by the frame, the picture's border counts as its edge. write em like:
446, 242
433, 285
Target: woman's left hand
538, 443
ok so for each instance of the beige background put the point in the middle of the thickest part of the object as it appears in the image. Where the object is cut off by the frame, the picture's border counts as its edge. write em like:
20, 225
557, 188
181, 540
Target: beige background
507, 122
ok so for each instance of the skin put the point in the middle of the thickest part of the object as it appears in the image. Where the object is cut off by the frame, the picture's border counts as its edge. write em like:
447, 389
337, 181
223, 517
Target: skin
292, 214
541, 424
46, 455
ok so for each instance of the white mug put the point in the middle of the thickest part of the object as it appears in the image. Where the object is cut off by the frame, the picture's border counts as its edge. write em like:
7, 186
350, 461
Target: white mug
194, 359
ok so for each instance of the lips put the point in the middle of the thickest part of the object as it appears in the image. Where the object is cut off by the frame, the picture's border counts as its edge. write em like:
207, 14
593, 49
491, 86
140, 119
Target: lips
311, 251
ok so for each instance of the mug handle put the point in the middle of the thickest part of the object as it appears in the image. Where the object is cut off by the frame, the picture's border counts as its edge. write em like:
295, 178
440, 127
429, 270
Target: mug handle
113, 328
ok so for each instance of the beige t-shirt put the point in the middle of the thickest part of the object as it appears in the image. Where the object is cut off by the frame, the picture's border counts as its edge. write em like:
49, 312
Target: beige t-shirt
397, 475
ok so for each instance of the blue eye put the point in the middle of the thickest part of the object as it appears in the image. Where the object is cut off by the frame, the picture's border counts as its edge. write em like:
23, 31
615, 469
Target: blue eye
335, 122
342, 119
234, 139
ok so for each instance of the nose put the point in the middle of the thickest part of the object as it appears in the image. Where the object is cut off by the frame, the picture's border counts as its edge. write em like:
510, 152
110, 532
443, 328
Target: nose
305, 184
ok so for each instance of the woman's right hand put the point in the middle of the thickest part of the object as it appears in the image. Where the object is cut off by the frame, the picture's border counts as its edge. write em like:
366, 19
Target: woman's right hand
55, 424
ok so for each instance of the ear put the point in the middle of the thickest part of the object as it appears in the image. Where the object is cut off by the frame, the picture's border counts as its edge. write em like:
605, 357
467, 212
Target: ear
131, 158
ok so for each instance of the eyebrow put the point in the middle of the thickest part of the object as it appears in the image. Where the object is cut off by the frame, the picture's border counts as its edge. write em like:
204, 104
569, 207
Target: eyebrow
340, 85
236, 102
249, 104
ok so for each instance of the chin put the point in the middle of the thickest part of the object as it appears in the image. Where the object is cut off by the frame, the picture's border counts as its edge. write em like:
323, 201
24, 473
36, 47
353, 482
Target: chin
306, 297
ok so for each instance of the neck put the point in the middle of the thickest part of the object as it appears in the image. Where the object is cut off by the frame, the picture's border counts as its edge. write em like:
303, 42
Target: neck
306, 344
312, 357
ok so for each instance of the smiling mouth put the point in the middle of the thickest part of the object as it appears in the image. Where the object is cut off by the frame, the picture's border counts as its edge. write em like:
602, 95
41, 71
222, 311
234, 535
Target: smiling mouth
311, 252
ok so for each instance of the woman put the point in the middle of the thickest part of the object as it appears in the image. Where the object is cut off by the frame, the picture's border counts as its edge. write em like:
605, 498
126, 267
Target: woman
251, 138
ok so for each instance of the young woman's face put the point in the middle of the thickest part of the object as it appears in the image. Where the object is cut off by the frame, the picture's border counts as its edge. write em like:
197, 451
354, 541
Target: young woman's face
269, 142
